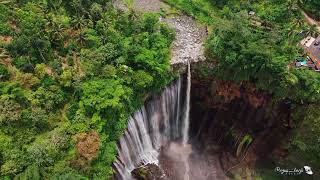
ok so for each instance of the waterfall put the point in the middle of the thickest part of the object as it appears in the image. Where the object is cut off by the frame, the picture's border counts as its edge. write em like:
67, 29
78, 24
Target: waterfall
186, 122
149, 128
176, 134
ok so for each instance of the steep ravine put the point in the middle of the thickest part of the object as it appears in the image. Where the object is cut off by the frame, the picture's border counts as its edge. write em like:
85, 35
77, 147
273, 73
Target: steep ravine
232, 131
240, 124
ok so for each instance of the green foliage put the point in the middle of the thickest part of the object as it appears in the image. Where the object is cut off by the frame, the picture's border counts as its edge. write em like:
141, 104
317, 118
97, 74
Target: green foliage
32, 172
202, 10
105, 95
76, 66
22, 63
312, 6
91, 40
167, 32
32, 40
66, 78
36, 117
4, 25
69, 176
239, 52
4, 74
142, 80
107, 154
49, 98
305, 144
9, 110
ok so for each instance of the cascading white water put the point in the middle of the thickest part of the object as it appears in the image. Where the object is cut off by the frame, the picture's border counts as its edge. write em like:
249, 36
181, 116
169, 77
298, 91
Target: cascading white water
176, 134
186, 121
149, 128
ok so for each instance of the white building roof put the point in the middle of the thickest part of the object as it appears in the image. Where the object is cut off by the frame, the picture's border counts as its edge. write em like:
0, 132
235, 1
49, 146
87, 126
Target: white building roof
307, 41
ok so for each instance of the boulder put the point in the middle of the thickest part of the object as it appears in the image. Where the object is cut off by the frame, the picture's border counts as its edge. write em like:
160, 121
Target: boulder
148, 172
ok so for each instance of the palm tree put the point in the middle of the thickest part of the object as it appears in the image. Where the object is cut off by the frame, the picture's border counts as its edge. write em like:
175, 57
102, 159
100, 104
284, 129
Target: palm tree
80, 38
298, 23
312, 31
54, 4
54, 29
79, 22
293, 5
5, 2
3, 53
295, 27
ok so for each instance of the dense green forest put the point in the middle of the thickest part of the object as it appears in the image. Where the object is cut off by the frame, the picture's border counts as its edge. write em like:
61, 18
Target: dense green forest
312, 7
71, 74
259, 49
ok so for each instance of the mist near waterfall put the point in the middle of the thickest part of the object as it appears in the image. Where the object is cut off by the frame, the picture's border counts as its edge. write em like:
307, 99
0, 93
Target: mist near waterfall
201, 166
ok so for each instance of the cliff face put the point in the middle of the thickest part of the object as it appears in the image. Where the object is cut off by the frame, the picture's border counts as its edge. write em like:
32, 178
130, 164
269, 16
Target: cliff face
241, 119
234, 128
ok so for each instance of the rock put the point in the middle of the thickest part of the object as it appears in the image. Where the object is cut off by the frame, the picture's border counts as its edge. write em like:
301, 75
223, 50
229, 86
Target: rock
148, 172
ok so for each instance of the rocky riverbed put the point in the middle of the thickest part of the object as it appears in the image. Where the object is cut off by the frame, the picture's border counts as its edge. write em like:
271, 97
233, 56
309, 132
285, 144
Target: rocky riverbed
190, 35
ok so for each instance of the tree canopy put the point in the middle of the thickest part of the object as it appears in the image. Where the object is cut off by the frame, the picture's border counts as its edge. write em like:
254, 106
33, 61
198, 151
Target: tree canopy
68, 70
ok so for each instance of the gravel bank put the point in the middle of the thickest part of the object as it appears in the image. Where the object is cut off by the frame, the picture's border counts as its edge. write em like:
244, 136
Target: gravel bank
190, 35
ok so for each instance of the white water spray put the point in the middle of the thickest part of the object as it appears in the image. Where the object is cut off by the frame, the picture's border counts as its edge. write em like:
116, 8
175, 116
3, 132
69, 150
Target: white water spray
149, 128
186, 121
157, 123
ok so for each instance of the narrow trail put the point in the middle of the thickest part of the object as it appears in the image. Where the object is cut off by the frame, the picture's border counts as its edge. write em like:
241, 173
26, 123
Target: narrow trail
190, 35
311, 21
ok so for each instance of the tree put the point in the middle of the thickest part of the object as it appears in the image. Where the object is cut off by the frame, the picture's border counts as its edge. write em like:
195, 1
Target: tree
10, 111
31, 172
312, 7
36, 117
106, 95
49, 98
293, 5
142, 80
66, 78
48, 147
79, 22
96, 11
4, 74
312, 31
298, 23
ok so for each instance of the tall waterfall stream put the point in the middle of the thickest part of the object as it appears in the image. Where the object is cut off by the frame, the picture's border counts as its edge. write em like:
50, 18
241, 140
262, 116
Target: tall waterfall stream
186, 121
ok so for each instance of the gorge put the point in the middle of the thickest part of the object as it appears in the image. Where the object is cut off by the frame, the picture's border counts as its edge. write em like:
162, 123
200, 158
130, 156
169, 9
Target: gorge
231, 130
